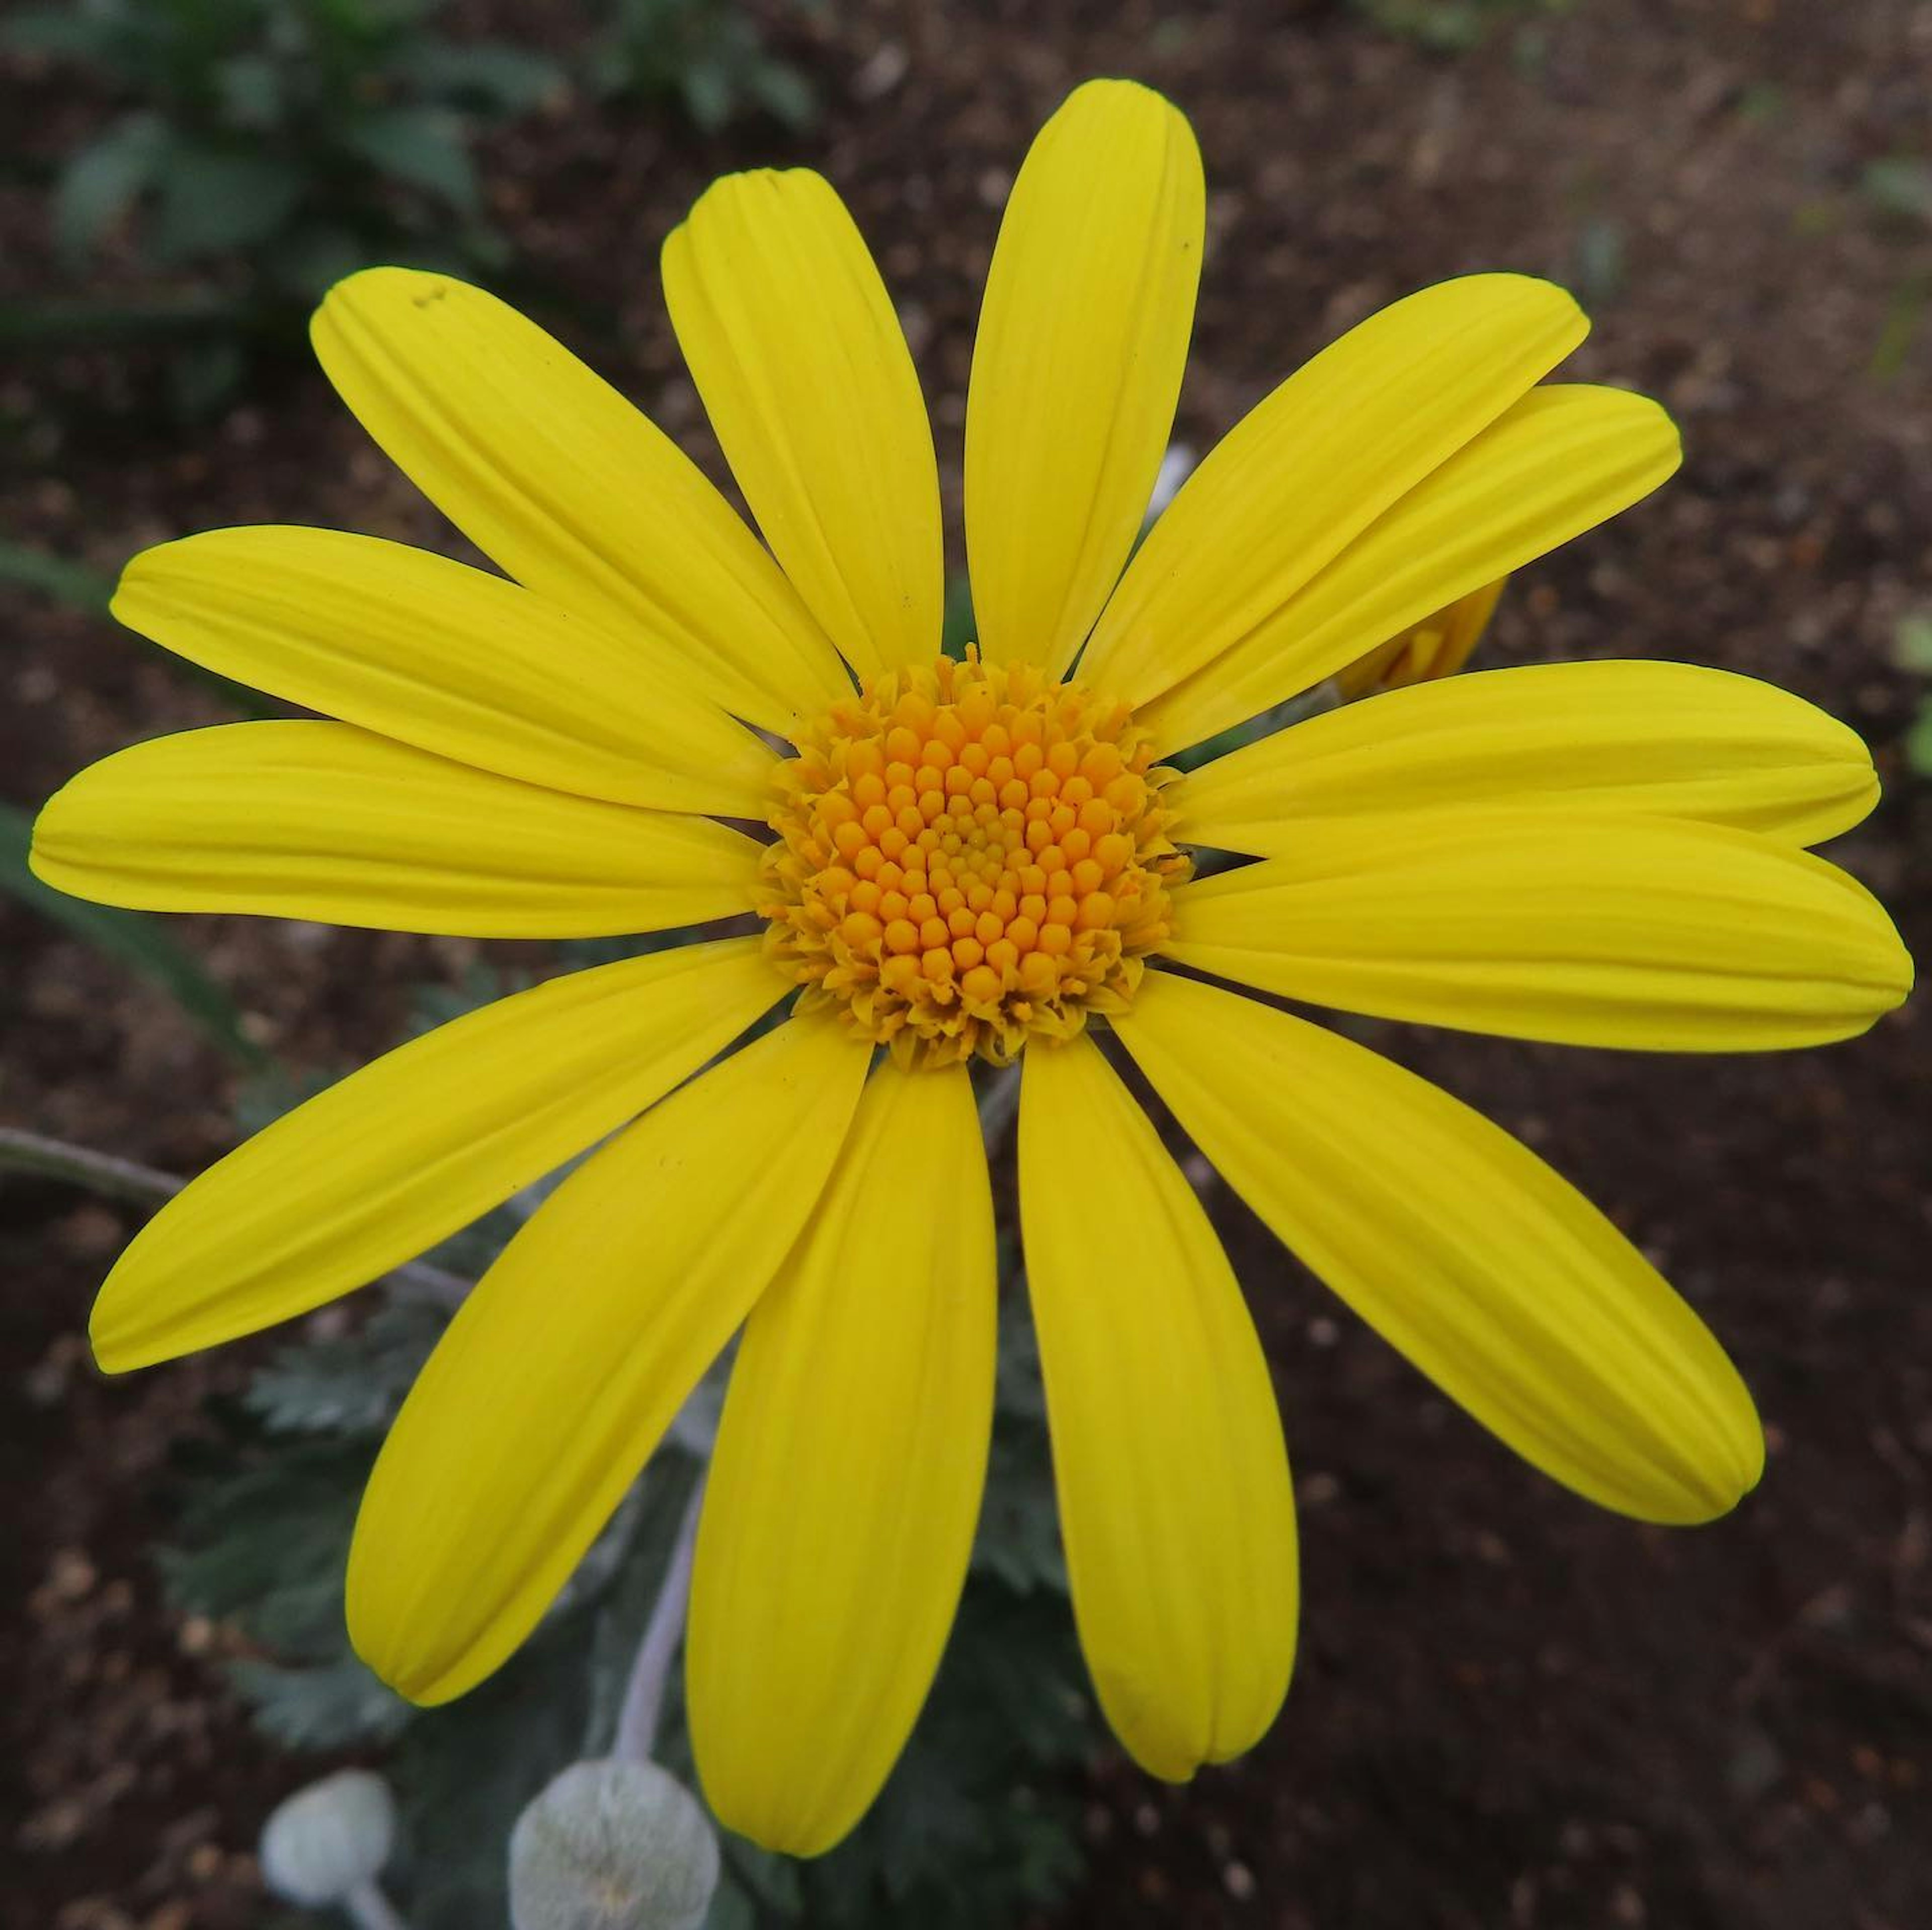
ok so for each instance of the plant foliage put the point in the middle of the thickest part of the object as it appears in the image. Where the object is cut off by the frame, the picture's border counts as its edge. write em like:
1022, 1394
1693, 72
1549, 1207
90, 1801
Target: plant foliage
707, 56
974, 1826
288, 142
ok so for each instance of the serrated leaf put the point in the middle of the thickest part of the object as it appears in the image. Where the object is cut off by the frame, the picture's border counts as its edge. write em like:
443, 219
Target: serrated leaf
334, 1705
348, 1384
423, 147
100, 184
215, 202
132, 939
262, 1538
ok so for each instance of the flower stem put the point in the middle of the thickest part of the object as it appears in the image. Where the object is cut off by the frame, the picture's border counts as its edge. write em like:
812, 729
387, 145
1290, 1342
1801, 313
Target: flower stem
147, 1186
999, 1105
650, 1673
367, 1908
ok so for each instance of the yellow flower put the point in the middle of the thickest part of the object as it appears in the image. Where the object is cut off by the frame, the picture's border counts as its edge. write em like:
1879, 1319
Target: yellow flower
971, 858
1438, 646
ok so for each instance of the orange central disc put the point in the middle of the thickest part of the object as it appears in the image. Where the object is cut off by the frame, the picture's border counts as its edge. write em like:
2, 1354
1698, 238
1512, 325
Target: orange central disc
967, 855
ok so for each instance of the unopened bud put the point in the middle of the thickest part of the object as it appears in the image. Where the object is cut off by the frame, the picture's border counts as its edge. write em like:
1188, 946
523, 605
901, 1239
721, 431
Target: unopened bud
329, 1840
612, 1845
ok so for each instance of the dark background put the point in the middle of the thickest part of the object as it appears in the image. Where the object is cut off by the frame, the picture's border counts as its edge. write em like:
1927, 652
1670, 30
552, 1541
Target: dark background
1510, 1711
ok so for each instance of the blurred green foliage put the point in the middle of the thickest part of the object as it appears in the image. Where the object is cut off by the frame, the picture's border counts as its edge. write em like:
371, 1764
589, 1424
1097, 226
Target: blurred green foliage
1912, 650
1453, 26
707, 56
295, 137
143, 944
258, 150
976, 1825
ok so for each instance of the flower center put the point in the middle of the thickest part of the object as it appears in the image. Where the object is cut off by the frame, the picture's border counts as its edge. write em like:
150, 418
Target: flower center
967, 855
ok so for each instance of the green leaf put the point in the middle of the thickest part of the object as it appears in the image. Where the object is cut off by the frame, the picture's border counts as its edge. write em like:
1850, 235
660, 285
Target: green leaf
73, 34
1900, 187
214, 201
61, 327
101, 184
424, 148
958, 626
1911, 646
336, 1705
493, 78
73, 585
1018, 1537
307, 262
709, 94
261, 1535
204, 377
132, 938
784, 93
251, 91
1919, 743
347, 1384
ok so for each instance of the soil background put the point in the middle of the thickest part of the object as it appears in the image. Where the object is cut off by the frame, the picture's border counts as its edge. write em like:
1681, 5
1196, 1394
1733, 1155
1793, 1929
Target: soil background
1511, 1712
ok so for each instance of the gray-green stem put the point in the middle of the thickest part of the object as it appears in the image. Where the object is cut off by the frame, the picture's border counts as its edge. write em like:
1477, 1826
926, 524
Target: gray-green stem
147, 1186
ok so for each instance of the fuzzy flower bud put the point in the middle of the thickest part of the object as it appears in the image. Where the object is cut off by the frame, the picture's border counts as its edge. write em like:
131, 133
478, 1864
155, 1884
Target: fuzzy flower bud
329, 1840
612, 1845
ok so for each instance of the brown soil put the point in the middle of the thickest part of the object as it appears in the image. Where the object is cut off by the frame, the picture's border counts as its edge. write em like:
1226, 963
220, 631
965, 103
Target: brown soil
1511, 1711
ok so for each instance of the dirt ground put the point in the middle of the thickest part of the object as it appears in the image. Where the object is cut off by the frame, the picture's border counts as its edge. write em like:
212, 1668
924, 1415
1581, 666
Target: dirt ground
1512, 1712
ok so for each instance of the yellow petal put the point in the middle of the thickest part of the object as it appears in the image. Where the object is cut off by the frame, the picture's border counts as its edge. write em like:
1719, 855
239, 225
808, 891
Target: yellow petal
1438, 646
1082, 339
553, 475
323, 821
449, 659
1651, 933
1664, 740
792, 342
1498, 1280
847, 1482
1565, 459
1311, 467
416, 1145
1175, 1504
561, 1371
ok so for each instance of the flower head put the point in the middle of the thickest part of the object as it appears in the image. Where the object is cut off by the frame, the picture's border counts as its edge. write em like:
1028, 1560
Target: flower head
984, 858
969, 855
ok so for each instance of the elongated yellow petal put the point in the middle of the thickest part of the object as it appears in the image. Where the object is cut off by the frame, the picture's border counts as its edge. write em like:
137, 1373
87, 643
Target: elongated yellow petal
1498, 1279
1083, 337
416, 1145
552, 474
449, 659
792, 342
1175, 1504
847, 1481
1650, 933
560, 1372
323, 821
1310, 468
1667, 740
1565, 459
1439, 645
